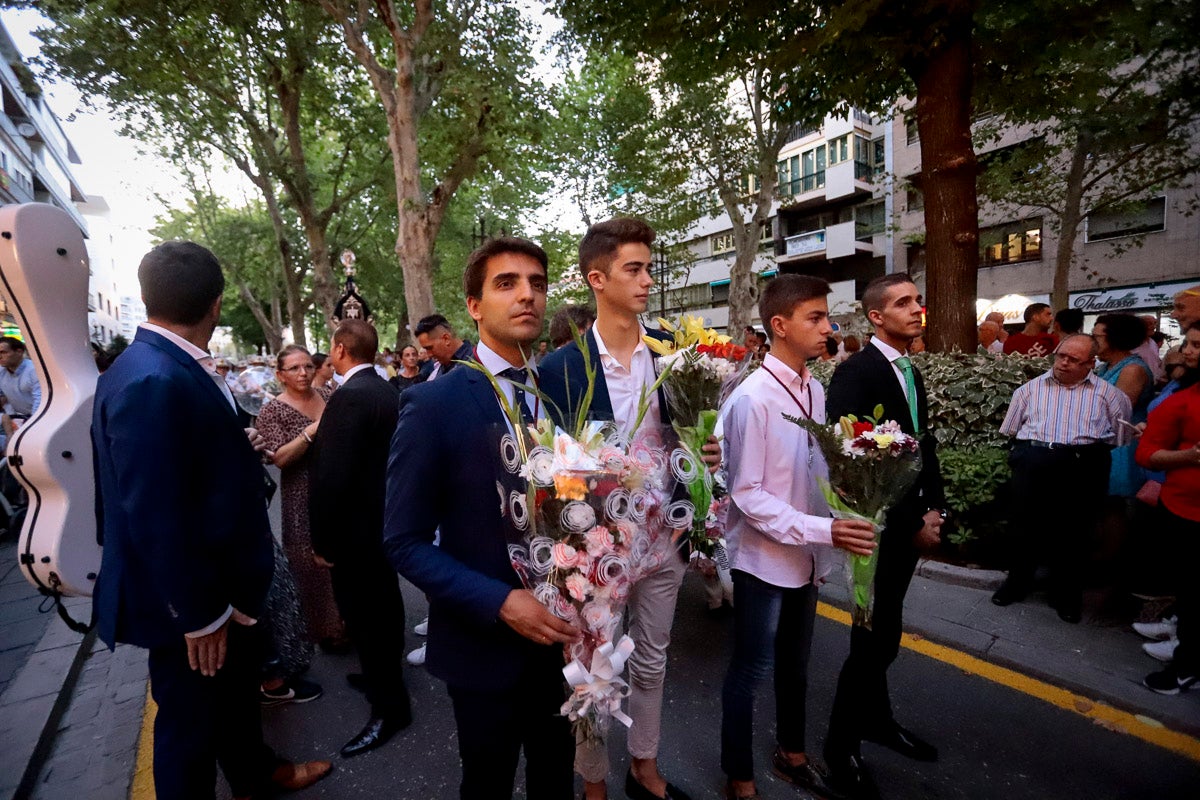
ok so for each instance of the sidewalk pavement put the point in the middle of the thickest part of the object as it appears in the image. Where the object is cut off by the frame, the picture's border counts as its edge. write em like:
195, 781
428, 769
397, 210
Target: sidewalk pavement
91, 726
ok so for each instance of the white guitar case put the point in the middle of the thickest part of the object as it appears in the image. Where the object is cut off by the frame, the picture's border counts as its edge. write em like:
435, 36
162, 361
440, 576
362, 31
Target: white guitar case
44, 272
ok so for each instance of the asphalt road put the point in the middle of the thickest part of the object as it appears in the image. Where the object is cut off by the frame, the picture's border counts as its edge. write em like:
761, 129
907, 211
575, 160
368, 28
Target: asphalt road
995, 742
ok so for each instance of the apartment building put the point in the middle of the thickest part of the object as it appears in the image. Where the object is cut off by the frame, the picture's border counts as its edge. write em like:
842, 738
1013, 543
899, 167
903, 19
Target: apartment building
1133, 260
829, 219
104, 304
849, 208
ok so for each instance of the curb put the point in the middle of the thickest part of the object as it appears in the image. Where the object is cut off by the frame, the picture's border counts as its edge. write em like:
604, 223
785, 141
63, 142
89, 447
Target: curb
35, 701
1180, 723
955, 575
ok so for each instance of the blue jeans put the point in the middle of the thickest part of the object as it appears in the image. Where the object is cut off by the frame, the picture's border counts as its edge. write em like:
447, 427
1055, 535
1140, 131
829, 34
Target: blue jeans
773, 627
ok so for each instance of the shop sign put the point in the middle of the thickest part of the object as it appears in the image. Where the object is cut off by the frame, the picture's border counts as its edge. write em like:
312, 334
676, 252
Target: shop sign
1132, 298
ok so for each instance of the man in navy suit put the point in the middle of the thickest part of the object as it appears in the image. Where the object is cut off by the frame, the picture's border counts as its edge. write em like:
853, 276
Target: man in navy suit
345, 499
496, 647
882, 374
182, 515
614, 259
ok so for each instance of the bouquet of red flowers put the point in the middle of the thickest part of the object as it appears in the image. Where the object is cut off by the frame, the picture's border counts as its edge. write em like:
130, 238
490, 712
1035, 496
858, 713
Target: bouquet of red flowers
871, 466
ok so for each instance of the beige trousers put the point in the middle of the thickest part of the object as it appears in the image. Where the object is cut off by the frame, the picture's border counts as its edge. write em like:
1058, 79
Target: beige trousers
651, 612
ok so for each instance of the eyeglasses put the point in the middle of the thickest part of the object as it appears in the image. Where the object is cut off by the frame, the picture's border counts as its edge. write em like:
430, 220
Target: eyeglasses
1072, 359
300, 368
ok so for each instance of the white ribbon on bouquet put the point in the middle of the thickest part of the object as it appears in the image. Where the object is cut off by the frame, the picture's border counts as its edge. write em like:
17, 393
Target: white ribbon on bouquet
599, 688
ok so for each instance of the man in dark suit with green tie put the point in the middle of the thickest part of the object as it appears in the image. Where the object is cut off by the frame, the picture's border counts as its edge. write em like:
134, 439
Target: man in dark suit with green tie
882, 374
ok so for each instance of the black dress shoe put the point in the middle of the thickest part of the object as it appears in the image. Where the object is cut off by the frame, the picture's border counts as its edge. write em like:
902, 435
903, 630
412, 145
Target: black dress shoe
635, 791
376, 733
903, 741
807, 775
848, 776
1009, 593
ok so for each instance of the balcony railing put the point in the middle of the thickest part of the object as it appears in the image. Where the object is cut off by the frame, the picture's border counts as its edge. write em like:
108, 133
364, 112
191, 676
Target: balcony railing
799, 131
804, 243
803, 184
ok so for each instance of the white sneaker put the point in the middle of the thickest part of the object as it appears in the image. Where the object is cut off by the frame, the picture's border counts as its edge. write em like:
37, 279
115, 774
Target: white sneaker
1163, 629
416, 657
1163, 651
422, 627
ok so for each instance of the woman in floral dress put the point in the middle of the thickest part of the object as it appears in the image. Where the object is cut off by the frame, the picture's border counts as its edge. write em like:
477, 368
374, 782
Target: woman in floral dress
288, 424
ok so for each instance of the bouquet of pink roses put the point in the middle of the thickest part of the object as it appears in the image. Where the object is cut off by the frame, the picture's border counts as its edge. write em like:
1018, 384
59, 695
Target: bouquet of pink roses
871, 466
590, 530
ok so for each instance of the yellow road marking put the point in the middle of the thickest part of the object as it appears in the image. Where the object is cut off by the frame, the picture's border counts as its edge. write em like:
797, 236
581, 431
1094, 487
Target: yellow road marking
1144, 728
143, 772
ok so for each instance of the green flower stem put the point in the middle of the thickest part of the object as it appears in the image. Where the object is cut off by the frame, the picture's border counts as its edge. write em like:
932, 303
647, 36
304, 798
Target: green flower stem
700, 490
862, 568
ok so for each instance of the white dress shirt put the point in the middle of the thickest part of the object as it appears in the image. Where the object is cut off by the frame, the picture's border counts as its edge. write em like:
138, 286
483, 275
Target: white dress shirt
779, 529
357, 368
891, 354
203, 357
495, 364
625, 385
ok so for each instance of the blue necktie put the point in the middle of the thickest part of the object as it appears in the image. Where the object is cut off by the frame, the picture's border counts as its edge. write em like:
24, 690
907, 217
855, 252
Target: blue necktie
519, 378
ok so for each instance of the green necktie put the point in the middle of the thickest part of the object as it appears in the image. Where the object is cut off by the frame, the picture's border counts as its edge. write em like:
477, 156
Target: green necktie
910, 382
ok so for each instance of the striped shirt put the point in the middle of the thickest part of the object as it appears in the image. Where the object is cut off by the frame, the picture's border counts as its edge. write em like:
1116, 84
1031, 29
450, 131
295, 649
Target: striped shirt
1045, 410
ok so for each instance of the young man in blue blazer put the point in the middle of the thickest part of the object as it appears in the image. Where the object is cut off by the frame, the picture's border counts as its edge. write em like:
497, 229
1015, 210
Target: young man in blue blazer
182, 516
496, 647
615, 259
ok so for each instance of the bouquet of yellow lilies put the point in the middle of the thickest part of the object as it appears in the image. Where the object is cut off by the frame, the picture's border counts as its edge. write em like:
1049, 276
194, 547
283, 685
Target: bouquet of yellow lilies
700, 367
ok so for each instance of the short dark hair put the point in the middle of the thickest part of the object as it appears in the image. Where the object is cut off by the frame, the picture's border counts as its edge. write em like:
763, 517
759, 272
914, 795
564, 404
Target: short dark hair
782, 295
180, 282
831, 346
288, 350
1033, 309
319, 359
600, 243
1070, 320
581, 317
359, 338
431, 323
476, 270
13, 342
872, 298
1124, 331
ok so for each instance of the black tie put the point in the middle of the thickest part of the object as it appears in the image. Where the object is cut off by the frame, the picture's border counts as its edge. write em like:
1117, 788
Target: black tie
518, 378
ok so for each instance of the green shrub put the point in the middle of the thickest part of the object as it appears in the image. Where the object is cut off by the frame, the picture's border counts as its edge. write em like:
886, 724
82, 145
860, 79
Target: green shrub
974, 476
969, 393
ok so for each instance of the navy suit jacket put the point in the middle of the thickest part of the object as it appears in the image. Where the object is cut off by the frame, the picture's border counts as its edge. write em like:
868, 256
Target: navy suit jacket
180, 500
444, 472
866, 380
563, 380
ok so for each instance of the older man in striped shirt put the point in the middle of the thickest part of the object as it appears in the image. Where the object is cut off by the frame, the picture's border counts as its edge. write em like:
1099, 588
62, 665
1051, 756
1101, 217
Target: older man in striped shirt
1065, 424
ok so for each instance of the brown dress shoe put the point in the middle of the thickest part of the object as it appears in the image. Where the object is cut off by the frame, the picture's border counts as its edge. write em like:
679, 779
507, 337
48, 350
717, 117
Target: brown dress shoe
300, 775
